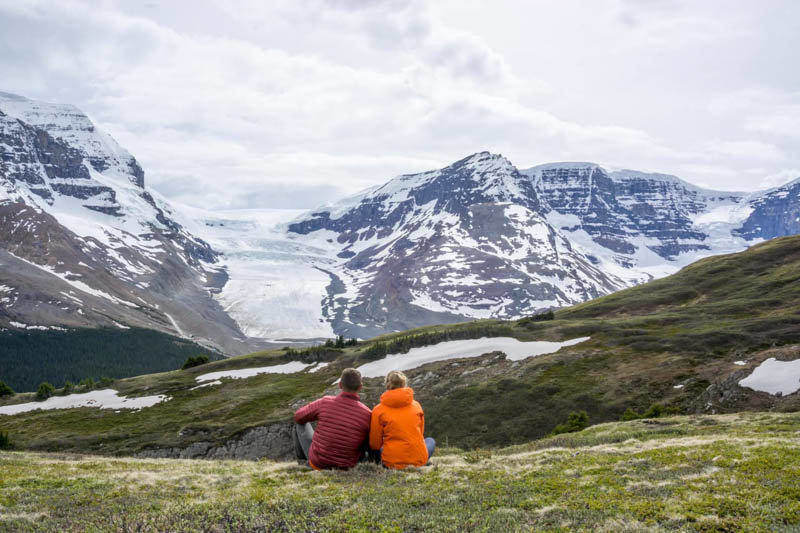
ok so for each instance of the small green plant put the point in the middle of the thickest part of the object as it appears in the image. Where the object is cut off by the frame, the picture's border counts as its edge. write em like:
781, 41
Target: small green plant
194, 361
44, 391
629, 414
576, 421
5, 390
105, 381
5, 441
68, 388
656, 410
86, 384
477, 455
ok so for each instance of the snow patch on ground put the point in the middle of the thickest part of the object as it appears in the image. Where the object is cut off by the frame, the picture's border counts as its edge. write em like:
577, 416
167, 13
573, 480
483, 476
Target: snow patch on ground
773, 376
319, 367
209, 384
515, 351
287, 368
102, 399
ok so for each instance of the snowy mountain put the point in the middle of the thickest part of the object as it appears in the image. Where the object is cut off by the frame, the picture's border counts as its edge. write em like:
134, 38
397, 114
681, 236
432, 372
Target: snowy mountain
83, 242
469, 240
480, 239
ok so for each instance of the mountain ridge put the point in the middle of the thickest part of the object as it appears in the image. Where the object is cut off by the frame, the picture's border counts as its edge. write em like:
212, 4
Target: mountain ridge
476, 239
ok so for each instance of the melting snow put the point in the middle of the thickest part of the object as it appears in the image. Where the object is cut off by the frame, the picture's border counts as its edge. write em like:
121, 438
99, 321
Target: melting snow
515, 351
774, 377
287, 368
740, 363
319, 367
102, 399
209, 384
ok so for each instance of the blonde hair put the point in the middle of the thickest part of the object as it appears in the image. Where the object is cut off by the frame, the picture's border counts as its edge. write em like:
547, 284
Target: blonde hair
395, 380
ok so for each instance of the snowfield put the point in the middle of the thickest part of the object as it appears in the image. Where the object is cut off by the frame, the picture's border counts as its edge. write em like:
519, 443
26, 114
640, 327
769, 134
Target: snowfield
773, 376
515, 351
287, 368
102, 399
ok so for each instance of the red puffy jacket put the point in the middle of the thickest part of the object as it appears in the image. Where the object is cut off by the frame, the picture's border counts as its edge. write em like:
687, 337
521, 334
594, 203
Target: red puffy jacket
342, 429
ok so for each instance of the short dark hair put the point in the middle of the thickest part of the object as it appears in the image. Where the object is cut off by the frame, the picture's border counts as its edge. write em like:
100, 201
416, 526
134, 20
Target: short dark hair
351, 380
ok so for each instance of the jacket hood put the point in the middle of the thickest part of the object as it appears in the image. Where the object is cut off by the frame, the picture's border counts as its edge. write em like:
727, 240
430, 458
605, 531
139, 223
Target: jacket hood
398, 397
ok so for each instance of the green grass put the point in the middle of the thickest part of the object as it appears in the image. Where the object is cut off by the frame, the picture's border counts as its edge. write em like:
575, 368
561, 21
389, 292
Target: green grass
722, 473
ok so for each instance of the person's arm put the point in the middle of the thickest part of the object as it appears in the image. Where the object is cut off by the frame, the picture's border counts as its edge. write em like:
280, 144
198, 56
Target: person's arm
375, 431
308, 413
421, 421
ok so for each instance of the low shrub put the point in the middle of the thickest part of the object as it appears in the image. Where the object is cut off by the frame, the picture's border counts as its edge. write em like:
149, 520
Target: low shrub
44, 391
68, 388
576, 421
629, 414
194, 361
655, 411
5, 441
548, 315
5, 390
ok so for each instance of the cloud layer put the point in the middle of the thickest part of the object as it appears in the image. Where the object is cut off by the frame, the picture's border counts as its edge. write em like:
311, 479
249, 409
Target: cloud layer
291, 104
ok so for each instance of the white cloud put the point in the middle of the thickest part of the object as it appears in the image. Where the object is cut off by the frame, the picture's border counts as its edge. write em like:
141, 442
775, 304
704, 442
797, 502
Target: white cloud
240, 104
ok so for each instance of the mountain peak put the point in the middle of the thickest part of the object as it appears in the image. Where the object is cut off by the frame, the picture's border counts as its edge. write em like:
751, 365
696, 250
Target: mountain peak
484, 161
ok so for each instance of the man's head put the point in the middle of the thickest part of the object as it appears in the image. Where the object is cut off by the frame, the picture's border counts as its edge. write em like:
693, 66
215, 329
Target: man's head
350, 380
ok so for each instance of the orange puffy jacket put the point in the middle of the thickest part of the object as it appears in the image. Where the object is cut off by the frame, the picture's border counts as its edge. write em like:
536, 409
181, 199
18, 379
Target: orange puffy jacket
397, 426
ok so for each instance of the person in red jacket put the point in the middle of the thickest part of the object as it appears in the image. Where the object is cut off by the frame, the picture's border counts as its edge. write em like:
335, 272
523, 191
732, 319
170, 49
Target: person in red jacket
342, 427
398, 426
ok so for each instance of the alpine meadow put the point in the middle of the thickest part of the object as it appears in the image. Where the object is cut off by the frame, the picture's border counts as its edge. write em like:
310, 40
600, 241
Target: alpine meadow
399, 266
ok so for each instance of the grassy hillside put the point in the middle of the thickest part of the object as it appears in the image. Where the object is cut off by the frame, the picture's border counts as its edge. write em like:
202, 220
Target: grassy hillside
28, 358
704, 473
673, 342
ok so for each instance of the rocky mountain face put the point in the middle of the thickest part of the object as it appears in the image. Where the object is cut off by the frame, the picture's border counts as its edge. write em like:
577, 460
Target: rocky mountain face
468, 240
481, 239
774, 214
83, 243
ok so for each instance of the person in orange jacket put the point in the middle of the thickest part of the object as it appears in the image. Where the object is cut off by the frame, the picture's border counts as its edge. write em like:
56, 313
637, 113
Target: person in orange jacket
398, 425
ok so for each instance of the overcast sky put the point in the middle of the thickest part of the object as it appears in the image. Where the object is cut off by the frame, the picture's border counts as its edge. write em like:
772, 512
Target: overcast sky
290, 103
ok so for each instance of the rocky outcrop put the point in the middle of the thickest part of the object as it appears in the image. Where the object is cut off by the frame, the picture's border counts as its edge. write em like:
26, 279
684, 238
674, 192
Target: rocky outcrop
263, 442
775, 214
618, 208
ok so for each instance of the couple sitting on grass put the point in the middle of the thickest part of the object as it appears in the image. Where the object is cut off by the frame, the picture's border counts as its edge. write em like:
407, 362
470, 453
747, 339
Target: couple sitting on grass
347, 432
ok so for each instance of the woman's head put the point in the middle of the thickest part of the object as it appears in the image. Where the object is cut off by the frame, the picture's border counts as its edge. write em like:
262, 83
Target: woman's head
395, 380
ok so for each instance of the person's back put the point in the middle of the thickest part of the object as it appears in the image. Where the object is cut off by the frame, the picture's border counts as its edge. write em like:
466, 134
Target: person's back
398, 426
342, 426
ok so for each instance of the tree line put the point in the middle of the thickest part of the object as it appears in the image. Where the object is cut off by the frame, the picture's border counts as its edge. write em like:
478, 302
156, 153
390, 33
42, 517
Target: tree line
29, 358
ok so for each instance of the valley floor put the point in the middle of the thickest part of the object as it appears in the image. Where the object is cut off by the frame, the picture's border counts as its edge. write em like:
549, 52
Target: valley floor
700, 473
